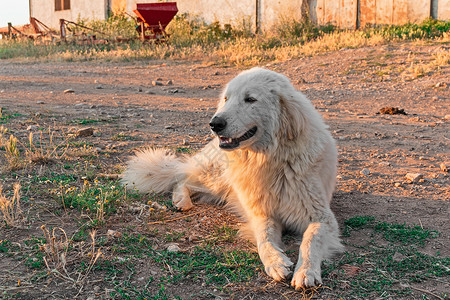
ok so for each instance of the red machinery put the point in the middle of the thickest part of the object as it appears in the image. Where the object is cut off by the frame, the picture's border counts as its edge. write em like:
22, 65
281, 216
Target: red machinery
153, 19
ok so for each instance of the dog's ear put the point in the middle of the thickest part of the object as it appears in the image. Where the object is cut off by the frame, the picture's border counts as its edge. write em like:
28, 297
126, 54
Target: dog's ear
292, 121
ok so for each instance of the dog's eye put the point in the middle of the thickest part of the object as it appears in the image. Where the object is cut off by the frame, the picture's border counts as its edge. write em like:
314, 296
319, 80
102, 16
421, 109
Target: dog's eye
249, 99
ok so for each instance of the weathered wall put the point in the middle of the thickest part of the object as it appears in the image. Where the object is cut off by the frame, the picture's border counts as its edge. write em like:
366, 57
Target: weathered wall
346, 14
44, 11
236, 12
342, 13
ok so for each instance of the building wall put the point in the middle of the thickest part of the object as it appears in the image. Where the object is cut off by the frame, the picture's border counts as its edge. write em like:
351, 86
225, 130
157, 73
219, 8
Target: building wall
44, 11
342, 13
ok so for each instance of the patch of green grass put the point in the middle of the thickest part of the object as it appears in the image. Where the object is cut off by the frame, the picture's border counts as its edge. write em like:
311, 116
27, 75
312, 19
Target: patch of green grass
185, 150
174, 236
211, 265
404, 234
380, 268
87, 121
429, 28
95, 198
133, 244
5, 117
124, 137
224, 234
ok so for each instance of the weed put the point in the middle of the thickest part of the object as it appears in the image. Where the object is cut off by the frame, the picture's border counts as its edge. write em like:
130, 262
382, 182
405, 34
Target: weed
55, 249
10, 207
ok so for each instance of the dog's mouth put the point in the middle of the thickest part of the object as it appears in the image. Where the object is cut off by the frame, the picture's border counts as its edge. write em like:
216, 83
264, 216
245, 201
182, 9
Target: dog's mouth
230, 143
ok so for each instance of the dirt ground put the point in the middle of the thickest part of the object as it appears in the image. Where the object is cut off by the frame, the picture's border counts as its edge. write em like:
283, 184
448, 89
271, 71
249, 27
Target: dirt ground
348, 87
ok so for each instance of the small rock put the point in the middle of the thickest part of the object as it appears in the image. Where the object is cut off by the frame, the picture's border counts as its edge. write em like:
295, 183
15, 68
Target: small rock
139, 89
397, 184
414, 119
156, 82
339, 130
170, 82
414, 177
173, 248
398, 257
301, 80
193, 239
149, 92
172, 91
40, 102
68, 91
98, 87
32, 127
113, 233
444, 167
97, 133
384, 163
185, 142
159, 79
441, 84
392, 111
168, 127
85, 132
365, 172
447, 117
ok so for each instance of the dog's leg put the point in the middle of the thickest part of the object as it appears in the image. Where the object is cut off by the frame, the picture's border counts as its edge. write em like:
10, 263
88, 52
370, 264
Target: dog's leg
320, 240
268, 239
181, 197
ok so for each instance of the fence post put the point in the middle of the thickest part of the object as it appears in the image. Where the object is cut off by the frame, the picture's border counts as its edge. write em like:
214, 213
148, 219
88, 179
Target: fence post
10, 30
62, 29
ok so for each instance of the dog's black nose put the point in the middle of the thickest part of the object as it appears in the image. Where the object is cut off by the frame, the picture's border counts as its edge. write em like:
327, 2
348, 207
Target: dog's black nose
218, 124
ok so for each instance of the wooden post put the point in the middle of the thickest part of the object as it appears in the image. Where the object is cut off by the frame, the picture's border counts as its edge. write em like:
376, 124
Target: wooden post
62, 29
257, 16
10, 30
142, 30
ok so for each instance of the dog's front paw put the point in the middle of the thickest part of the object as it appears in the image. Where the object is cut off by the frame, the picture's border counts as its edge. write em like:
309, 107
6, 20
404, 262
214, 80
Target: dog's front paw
279, 268
181, 198
304, 278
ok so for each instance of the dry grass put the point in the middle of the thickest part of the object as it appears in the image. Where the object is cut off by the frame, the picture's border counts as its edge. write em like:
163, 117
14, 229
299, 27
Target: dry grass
56, 250
40, 150
192, 39
10, 206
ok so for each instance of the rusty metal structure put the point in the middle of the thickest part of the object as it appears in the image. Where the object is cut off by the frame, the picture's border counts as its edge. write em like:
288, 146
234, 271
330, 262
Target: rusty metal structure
153, 19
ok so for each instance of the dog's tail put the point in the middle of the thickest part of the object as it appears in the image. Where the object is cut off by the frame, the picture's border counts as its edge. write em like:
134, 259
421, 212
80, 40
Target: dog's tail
154, 170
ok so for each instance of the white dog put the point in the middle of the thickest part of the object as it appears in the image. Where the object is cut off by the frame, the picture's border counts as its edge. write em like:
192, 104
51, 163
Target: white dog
273, 161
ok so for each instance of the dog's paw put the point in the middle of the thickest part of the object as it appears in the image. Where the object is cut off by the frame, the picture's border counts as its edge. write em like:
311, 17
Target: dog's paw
279, 268
181, 198
305, 278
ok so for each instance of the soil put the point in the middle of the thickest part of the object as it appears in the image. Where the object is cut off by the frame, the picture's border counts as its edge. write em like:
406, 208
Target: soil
376, 150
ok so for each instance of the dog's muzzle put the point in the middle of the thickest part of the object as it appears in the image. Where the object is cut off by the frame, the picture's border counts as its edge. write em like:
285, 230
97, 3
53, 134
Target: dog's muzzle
218, 124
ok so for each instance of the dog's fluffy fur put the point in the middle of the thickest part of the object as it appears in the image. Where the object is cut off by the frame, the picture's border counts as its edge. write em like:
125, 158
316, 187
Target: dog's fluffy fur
280, 178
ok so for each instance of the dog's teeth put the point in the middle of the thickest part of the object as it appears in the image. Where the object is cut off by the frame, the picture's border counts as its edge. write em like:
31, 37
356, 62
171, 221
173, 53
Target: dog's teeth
229, 140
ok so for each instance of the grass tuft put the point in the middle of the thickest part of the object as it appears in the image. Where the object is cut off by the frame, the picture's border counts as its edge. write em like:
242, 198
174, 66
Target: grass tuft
10, 206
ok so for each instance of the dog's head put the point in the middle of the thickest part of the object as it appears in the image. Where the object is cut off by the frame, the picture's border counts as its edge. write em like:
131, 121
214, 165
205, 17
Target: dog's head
256, 108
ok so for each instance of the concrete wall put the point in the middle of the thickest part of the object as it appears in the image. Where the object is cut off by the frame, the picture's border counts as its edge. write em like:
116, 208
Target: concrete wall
342, 13
44, 11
